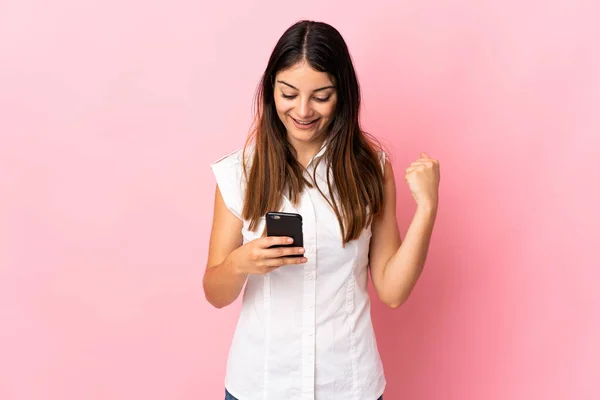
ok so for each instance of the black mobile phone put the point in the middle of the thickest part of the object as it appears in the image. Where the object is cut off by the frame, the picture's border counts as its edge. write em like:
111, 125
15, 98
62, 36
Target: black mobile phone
285, 224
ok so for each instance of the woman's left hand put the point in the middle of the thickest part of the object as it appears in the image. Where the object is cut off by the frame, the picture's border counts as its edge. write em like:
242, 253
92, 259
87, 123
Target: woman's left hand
423, 178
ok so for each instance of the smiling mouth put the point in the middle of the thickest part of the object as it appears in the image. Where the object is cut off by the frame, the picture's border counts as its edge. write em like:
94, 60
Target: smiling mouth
305, 123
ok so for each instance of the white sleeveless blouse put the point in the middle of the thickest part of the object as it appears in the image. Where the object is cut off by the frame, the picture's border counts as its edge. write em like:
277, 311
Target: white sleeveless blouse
304, 331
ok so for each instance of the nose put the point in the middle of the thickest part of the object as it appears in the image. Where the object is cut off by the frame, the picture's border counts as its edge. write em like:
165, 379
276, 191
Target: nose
304, 110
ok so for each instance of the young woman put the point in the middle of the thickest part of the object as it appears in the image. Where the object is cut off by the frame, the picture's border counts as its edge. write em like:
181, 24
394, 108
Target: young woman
305, 328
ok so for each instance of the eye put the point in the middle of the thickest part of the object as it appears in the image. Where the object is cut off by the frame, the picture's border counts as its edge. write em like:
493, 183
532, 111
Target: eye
322, 99
288, 96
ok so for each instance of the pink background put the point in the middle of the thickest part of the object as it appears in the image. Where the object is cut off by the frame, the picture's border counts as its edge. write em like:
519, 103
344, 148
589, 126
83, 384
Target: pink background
110, 113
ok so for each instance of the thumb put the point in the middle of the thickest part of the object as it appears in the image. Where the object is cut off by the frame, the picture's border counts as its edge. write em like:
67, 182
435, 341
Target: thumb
424, 155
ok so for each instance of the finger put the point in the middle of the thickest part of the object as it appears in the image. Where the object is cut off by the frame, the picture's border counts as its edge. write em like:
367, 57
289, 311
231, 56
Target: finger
414, 168
269, 241
424, 161
277, 262
282, 252
424, 155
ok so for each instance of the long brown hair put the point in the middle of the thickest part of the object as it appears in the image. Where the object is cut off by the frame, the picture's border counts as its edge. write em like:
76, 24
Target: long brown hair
351, 153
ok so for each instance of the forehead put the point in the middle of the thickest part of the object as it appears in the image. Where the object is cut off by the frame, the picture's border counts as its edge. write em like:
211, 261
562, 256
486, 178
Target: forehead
304, 77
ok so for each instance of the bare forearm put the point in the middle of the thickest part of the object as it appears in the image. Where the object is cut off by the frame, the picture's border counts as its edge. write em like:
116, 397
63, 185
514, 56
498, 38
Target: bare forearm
404, 268
223, 284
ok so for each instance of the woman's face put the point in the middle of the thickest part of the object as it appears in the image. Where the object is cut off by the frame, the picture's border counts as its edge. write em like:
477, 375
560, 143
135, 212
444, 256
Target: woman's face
305, 100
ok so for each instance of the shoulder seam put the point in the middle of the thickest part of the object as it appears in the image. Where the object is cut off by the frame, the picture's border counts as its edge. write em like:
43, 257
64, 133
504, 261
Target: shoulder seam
234, 160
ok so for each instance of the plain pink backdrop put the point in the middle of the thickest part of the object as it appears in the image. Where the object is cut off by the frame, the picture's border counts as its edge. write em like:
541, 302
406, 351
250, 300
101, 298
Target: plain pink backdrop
111, 112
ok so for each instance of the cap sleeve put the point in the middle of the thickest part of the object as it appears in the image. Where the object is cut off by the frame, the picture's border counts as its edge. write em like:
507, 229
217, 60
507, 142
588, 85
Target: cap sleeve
228, 171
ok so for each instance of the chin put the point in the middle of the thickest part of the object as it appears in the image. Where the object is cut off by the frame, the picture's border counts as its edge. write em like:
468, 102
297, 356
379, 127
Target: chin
302, 136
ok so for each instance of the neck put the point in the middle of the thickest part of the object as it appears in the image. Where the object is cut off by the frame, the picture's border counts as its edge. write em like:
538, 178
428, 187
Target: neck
305, 151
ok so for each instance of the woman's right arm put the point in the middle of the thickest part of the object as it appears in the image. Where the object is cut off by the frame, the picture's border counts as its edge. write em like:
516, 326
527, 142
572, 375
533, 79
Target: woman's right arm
222, 281
230, 262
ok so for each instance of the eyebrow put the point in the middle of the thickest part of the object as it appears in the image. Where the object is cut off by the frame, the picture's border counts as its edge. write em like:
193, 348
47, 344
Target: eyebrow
316, 90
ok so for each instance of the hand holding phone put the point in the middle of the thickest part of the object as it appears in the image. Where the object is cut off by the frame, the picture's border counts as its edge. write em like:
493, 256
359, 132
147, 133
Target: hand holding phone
263, 255
285, 224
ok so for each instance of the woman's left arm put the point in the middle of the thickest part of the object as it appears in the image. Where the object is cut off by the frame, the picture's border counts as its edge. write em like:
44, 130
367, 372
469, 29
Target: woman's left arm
396, 264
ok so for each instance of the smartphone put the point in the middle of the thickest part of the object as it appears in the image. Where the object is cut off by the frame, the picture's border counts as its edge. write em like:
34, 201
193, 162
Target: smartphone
286, 224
